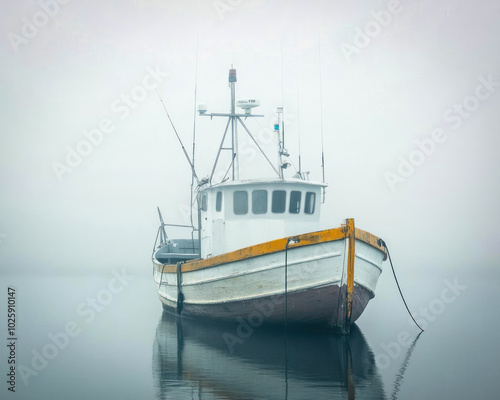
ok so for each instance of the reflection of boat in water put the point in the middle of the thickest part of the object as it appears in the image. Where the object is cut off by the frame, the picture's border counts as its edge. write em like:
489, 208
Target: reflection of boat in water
193, 359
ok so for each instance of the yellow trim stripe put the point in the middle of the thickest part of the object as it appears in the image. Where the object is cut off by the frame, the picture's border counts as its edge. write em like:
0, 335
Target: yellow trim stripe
273, 246
370, 239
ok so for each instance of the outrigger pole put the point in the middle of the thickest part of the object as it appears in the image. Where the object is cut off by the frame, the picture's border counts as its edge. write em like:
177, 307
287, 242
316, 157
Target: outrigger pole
180, 141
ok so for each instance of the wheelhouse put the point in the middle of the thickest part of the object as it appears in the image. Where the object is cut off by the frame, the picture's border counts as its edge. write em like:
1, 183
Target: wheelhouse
239, 214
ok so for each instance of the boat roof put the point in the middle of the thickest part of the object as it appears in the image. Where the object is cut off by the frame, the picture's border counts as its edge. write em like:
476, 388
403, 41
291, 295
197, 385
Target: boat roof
267, 181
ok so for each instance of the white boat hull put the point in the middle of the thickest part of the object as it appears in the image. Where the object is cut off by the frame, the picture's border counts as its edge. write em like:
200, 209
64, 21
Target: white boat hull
253, 288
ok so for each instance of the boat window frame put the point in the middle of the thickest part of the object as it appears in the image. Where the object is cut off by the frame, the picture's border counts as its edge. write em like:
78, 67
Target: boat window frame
308, 204
264, 203
295, 202
274, 208
218, 201
204, 202
235, 202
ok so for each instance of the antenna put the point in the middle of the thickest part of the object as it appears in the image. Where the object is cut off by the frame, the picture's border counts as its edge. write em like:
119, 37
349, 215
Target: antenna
235, 161
194, 139
282, 79
321, 117
233, 119
195, 108
282, 101
298, 129
277, 129
281, 121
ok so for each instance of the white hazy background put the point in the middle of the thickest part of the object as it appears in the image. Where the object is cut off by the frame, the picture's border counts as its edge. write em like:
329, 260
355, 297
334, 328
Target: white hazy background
376, 103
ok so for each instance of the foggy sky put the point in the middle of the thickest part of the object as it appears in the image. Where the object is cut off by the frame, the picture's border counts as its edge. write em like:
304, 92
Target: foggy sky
418, 74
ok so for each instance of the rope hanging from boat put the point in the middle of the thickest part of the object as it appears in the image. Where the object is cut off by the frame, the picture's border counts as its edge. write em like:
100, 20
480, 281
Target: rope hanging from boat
402, 369
180, 295
161, 276
286, 287
382, 243
291, 240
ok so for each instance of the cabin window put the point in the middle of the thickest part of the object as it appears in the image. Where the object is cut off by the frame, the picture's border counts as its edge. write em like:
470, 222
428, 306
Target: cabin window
240, 202
295, 202
204, 205
279, 201
259, 201
310, 203
218, 202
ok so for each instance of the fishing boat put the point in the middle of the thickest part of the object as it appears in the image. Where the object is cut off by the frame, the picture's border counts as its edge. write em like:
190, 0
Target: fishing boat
258, 253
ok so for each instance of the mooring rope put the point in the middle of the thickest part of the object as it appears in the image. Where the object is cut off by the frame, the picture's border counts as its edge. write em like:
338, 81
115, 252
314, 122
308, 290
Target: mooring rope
180, 295
402, 369
382, 243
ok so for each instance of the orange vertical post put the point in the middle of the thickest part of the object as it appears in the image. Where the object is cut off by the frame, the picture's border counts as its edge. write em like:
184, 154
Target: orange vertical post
346, 286
351, 254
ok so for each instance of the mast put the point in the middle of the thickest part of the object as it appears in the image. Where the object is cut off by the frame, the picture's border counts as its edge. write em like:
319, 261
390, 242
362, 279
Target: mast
233, 119
279, 128
234, 129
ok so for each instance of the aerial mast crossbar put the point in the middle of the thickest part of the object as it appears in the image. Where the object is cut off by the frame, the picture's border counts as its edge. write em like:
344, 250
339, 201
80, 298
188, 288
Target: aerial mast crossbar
233, 119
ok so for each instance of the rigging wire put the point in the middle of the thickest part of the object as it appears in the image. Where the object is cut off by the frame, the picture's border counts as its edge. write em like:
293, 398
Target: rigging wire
228, 168
382, 243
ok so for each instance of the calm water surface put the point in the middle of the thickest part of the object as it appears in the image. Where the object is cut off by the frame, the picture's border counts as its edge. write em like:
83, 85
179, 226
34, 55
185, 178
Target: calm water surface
105, 337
